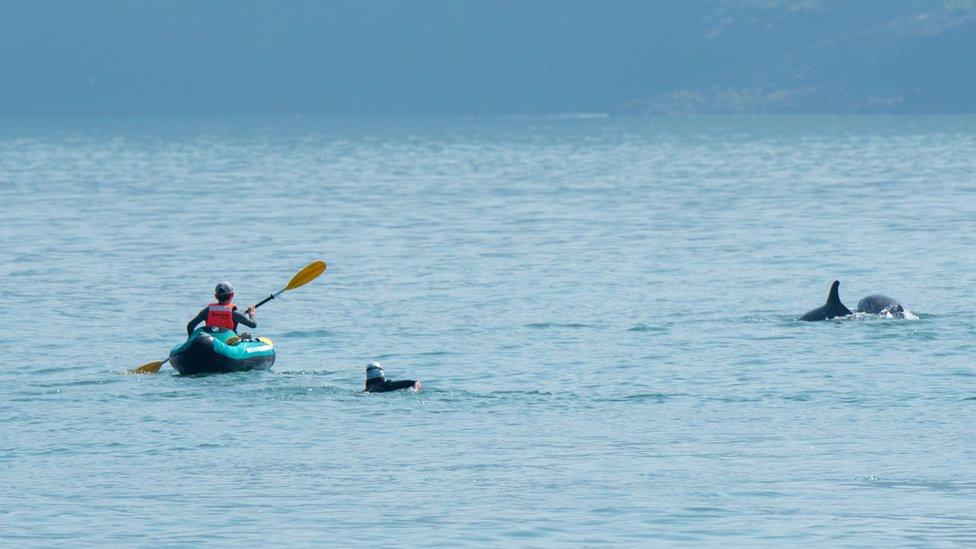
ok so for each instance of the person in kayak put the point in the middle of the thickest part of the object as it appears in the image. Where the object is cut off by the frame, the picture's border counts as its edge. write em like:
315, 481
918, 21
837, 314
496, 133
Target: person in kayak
223, 313
376, 381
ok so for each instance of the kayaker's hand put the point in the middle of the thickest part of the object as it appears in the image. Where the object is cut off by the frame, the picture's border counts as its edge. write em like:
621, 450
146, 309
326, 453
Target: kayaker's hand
417, 386
250, 311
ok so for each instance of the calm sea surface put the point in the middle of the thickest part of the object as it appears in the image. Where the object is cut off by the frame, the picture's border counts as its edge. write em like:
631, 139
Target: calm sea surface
603, 313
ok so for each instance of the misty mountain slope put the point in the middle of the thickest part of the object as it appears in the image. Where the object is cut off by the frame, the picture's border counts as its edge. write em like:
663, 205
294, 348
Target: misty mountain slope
831, 57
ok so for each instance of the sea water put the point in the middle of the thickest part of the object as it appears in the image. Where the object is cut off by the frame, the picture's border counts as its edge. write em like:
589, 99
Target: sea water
602, 312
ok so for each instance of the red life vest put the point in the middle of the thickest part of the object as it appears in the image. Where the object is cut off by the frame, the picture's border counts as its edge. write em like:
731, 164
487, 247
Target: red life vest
221, 315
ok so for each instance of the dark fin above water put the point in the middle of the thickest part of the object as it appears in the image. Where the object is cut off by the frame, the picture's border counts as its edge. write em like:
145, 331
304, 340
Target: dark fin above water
831, 309
835, 307
833, 298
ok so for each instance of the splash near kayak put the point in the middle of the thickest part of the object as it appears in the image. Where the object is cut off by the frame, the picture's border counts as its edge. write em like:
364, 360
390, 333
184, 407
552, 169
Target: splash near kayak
219, 350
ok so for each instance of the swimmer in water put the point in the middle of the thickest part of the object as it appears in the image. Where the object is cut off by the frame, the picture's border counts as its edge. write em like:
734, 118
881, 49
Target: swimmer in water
376, 381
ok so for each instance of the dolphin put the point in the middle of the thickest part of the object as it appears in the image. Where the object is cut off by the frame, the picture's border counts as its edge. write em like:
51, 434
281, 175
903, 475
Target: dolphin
881, 305
832, 308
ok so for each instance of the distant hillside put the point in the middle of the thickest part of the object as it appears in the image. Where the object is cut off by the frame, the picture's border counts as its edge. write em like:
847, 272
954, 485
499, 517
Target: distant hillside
419, 57
835, 57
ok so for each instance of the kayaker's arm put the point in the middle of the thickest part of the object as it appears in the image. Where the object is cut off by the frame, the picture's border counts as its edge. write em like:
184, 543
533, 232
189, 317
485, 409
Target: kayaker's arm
196, 320
244, 319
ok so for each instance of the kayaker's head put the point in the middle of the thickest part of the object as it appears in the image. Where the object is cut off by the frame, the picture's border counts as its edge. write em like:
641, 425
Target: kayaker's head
224, 292
374, 371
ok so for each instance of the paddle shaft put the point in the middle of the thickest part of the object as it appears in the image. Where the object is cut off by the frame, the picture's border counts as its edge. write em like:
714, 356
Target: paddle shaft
267, 299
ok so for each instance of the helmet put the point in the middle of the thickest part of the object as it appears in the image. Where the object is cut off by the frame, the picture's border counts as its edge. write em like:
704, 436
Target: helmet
224, 289
374, 371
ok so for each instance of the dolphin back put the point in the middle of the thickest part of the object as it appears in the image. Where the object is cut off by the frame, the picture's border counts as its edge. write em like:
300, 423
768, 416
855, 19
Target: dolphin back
819, 313
879, 304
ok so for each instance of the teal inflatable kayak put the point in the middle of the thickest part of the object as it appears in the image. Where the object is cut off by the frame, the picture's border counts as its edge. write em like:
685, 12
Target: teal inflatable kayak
219, 350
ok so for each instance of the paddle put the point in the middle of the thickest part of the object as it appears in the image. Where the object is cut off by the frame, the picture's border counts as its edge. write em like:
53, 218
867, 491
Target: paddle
303, 277
150, 368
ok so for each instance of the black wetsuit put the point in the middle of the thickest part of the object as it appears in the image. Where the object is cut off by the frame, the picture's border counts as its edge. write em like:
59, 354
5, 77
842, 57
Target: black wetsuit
385, 385
239, 318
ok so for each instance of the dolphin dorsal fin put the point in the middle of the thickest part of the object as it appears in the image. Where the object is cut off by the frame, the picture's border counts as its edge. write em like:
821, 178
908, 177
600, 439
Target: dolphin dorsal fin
833, 298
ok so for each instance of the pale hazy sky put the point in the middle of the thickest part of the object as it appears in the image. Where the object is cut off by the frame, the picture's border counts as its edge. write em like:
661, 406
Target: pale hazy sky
415, 57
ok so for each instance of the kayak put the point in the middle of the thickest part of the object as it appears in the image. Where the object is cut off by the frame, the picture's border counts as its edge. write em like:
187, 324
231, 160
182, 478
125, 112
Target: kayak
219, 350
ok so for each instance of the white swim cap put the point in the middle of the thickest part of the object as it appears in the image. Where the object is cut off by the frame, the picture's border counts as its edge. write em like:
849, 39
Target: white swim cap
374, 371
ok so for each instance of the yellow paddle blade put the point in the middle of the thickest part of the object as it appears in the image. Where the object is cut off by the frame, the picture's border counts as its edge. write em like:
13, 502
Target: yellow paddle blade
306, 275
150, 368
266, 341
